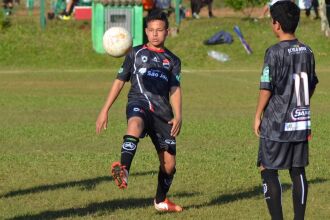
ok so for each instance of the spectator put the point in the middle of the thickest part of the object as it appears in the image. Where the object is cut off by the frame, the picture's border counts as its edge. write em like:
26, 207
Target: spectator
66, 14
164, 5
315, 6
324, 11
197, 5
8, 6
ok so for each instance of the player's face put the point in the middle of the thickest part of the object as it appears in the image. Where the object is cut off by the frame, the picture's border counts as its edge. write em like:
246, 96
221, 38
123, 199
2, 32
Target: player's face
156, 33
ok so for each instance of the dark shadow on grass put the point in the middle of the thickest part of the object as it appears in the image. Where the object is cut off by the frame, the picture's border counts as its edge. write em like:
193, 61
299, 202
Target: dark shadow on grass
255, 191
90, 209
87, 184
98, 207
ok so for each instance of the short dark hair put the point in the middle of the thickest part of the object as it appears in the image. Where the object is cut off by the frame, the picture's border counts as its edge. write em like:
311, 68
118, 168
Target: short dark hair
157, 14
287, 14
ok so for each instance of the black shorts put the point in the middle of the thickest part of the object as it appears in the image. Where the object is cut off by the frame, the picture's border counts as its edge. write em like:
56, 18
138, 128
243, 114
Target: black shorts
282, 155
156, 128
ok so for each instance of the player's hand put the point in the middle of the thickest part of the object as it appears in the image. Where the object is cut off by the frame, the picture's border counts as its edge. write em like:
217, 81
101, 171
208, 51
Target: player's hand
102, 122
176, 126
257, 122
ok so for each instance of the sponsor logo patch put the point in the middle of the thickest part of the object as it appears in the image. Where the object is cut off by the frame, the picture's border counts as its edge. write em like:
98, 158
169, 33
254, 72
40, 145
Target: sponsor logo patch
265, 75
170, 141
265, 189
296, 49
120, 71
129, 146
301, 114
155, 59
178, 77
297, 126
143, 71
157, 74
144, 59
136, 109
166, 63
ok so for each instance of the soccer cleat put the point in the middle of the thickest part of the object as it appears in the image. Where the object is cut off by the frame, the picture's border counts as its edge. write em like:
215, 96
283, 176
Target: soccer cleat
167, 206
119, 174
195, 15
65, 17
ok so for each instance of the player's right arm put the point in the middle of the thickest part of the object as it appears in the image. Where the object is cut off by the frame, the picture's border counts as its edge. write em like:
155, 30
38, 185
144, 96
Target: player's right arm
264, 96
266, 87
123, 75
102, 119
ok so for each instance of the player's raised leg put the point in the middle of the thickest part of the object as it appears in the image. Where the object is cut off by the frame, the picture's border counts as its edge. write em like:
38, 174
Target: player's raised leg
120, 170
165, 178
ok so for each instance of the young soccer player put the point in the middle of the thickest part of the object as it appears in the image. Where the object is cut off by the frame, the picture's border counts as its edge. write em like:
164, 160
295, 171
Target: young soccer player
154, 106
282, 119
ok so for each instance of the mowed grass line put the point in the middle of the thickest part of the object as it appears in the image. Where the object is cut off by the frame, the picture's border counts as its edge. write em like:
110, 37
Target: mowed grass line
53, 166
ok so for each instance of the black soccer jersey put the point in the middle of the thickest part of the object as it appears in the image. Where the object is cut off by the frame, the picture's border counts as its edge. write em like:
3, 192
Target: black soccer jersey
289, 73
152, 74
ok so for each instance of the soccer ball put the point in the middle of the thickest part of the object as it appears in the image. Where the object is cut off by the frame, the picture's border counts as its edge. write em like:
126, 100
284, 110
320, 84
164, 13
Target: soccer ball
117, 41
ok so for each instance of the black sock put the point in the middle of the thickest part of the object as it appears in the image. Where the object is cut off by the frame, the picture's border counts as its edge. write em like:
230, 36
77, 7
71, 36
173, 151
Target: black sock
128, 150
273, 193
299, 191
164, 184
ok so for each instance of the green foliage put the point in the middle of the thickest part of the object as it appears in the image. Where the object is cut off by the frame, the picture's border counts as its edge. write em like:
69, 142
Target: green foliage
240, 5
4, 22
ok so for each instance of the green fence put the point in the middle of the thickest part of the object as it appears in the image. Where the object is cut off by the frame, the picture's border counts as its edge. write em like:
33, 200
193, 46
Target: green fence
104, 16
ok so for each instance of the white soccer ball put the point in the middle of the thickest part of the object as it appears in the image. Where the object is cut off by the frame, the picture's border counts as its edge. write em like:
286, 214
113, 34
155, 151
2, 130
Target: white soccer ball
117, 41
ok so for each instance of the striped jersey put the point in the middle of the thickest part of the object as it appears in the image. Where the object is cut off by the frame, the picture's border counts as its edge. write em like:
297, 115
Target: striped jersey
152, 74
289, 73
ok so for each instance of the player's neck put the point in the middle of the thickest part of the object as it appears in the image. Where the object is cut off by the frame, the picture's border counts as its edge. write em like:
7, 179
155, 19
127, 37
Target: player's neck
155, 48
286, 36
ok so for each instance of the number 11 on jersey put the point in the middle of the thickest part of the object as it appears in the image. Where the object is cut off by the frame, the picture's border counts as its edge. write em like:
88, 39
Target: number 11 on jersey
298, 78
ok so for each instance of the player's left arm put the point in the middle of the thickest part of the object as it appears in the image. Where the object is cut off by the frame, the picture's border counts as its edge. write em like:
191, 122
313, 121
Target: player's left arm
176, 103
314, 79
176, 96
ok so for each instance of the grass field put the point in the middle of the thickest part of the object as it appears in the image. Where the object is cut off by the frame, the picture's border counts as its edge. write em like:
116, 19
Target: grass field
53, 166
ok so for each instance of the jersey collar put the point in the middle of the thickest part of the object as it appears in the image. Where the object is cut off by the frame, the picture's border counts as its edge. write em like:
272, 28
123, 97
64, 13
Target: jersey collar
154, 50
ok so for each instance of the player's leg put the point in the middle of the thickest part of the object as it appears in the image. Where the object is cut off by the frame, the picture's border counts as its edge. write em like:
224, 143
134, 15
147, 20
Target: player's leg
135, 127
165, 174
195, 4
120, 170
165, 178
315, 4
298, 177
272, 156
136, 118
165, 145
299, 191
209, 6
272, 192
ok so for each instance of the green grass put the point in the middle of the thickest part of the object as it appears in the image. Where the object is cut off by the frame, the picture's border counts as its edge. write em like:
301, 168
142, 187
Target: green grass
53, 166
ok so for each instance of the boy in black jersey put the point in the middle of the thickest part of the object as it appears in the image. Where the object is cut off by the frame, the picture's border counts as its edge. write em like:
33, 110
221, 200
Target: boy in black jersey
153, 108
282, 119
